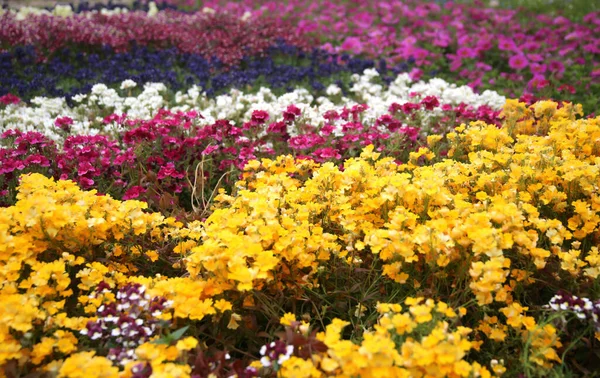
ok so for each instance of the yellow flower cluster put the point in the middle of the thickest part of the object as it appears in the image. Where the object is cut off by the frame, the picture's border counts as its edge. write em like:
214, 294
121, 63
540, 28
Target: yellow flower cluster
506, 201
53, 229
422, 341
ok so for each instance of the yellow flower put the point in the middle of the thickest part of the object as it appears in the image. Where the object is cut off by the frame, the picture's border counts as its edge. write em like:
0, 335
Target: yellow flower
287, 319
222, 305
233, 321
152, 255
186, 344
86, 364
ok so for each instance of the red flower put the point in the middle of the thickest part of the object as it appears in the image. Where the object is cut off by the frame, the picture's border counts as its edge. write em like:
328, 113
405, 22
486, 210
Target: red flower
259, 116
133, 192
64, 123
10, 98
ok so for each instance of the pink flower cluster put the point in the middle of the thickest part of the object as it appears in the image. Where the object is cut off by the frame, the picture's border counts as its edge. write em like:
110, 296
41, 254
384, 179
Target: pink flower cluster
222, 35
466, 40
162, 155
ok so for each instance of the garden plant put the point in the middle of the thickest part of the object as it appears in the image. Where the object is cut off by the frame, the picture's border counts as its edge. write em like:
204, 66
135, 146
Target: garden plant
258, 188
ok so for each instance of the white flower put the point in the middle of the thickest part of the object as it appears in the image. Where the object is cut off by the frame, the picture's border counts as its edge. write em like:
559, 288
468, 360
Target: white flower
128, 84
62, 10
246, 16
96, 336
152, 9
333, 90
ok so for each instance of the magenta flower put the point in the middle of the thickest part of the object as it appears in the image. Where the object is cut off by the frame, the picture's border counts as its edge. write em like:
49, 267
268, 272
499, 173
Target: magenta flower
430, 102
518, 62
466, 52
210, 149
556, 67
323, 154
538, 82
133, 192
64, 123
537, 69
302, 142
352, 44
169, 170
9, 98
260, 116
506, 44
290, 114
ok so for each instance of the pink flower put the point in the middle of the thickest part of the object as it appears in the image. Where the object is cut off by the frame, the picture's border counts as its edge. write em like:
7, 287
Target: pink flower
537, 69
455, 65
302, 142
415, 74
63, 123
290, 114
483, 67
352, 44
506, 44
518, 62
556, 66
535, 57
430, 102
9, 98
260, 116
40, 160
538, 82
169, 170
466, 52
567, 88
133, 192
277, 128
210, 149
323, 154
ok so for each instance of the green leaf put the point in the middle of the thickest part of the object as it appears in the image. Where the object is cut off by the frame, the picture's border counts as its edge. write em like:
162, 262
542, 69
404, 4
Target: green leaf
168, 339
177, 334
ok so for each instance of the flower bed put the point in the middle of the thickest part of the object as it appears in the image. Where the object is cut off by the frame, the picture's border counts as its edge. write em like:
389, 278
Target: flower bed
291, 211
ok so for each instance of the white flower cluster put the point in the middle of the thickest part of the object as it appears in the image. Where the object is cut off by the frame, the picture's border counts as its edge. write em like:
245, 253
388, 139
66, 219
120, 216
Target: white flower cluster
239, 106
67, 11
23, 12
236, 106
88, 115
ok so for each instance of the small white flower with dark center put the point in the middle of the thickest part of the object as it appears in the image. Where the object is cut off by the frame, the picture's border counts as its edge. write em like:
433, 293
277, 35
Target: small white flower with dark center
288, 353
123, 306
111, 319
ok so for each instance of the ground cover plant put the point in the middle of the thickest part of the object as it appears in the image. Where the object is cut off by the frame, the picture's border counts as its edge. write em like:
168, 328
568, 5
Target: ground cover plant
268, 189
